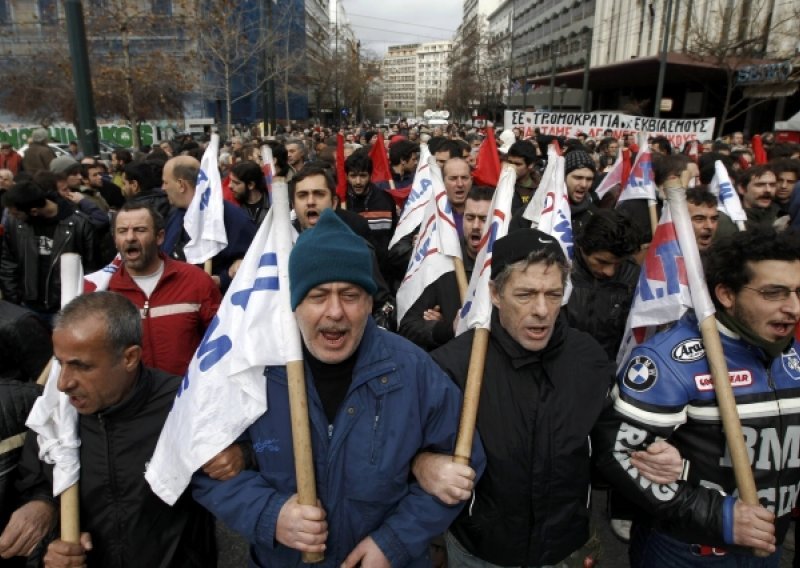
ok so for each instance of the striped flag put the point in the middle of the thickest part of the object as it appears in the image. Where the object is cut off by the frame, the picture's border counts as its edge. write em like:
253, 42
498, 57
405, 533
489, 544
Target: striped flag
477, 308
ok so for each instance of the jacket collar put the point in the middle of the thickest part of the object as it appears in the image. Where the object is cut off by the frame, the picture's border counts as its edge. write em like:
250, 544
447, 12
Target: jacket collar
521, 357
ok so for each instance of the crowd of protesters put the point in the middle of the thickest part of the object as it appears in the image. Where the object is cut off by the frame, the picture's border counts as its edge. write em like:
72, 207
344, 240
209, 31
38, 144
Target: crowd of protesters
550, 370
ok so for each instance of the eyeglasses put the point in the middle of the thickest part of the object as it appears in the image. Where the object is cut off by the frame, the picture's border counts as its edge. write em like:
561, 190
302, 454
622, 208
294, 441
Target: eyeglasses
775, 293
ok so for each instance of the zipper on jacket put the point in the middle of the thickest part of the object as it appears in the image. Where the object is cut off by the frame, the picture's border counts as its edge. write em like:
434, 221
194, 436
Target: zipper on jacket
330, 432
374, 452
112, 480
57, 256
146, 308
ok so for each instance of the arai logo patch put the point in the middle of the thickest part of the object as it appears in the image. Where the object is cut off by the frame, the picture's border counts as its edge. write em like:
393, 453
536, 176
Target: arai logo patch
791, 363
688, 350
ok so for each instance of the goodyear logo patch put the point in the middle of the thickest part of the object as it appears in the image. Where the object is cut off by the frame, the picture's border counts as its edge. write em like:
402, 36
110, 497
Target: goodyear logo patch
740, 378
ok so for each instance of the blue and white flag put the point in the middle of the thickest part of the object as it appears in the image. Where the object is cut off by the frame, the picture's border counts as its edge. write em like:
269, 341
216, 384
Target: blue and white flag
436, 246
727, 199
642, 180
671, 281
477, 308
223, 392
421, 192
205, 217
549, 209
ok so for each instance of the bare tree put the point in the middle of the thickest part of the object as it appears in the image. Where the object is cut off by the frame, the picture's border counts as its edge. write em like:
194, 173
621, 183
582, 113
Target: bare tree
733, 35
137, 70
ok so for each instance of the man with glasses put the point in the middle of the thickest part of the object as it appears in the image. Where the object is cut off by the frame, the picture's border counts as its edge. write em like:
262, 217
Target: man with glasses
665, 391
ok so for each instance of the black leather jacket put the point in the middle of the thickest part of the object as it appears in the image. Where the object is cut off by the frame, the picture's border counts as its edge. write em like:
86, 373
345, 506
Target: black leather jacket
19, 263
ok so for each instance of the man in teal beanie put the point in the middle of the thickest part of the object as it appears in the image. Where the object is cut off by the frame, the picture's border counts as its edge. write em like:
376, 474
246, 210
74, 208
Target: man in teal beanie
375, 401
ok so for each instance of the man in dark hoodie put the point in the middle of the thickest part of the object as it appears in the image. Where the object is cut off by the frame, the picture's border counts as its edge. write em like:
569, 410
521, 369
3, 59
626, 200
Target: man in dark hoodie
44, 228
141, 185
370, 201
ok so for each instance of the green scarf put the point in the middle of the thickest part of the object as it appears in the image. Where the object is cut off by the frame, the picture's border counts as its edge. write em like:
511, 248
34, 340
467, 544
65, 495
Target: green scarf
771, 348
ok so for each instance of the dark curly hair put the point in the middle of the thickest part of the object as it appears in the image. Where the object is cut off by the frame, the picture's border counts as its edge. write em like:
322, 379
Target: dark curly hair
609, 230
727, 261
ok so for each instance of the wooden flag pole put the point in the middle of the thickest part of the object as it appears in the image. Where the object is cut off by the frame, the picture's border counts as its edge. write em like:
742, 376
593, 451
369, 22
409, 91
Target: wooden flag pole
295, 371
461, 279
653, 209
207, 266
726, 402
70, 498
472, 396
301, 439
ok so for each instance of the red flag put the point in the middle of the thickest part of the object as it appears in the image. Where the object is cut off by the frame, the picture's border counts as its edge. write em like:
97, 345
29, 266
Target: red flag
626, 167
341, 176
759, 154
487, 167
380, 161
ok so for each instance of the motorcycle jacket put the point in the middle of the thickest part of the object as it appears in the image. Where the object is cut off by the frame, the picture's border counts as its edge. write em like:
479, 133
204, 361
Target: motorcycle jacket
665, 391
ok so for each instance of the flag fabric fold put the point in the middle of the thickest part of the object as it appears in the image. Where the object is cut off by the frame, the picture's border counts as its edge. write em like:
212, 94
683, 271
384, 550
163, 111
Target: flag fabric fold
477, 308
53, 417
670, 282
421, 191
436, 246
618, 175
641, 183
487, 167
268, 168
204, 220
255, 316
380, 161
727, 199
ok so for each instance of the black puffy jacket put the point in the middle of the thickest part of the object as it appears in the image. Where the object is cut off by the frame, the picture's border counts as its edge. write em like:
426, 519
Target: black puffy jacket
129, 524
600, 307
535, 415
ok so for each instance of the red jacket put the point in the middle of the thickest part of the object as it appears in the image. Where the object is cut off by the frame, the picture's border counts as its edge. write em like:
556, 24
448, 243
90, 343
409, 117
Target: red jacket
175, 317
11, 161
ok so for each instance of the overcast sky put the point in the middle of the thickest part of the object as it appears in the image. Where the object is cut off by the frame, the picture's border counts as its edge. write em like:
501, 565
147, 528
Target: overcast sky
380, 23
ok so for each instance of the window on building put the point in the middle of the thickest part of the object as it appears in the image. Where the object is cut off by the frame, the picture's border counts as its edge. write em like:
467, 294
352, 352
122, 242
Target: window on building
162, 7
48, 11
5, 12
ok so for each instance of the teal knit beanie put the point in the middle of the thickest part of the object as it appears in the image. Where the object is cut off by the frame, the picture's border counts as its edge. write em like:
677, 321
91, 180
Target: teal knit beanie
329, 252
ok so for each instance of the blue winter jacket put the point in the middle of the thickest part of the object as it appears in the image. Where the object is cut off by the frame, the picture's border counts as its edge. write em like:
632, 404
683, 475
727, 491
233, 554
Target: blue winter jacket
398, 404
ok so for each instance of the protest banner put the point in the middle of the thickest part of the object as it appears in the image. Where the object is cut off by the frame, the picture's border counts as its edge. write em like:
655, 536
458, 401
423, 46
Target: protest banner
677, 130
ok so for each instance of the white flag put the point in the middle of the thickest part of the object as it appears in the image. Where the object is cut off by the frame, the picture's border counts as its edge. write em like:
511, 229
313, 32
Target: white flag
101, 279
477, 308
223, 391
53, 417
436, 246
549, 209
671, 281
727, 199
421, 192
614, 176
205, 217
642, 181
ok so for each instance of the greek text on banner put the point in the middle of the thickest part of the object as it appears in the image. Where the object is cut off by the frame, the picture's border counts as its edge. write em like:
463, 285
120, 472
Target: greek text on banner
594, 124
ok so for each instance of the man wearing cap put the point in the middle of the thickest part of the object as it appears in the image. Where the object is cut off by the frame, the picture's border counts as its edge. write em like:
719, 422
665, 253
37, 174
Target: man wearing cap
374, 402
544, 386
38, 155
